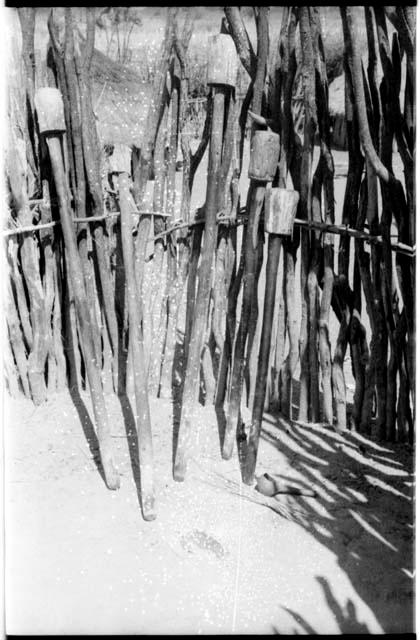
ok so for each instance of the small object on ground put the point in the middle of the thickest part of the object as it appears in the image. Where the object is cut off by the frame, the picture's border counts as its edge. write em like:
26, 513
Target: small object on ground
269, 486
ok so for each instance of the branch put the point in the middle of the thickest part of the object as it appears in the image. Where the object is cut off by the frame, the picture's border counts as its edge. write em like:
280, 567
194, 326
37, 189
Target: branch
355, 62
54, 36
402, 21
196, 158
182, 42
241, 39
90, 39
262, 57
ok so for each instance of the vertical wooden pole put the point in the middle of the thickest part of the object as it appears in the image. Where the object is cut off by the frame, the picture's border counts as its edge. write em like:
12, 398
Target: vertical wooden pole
21, 303
155, 306
169, 303
76, 161
274, 246
339, 383
327, 247
308, 75
187, 254
192, 376
222, 72
16, 341
58, 326
82, 310
255, 203
361, 412
313, 298
51, 123
27, 23
91, 154
72, 339
143, 424
10, 370
290, 157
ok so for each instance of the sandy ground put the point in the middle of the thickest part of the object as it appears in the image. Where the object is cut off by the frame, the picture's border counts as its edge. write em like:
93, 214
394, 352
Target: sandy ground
80, 559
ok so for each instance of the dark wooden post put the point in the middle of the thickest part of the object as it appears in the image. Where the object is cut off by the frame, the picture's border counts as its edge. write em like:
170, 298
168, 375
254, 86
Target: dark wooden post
290, 153
188, 246
265, 148
308, 76
121, 164
27, 23
222, 71
279, 216
16, 340
91, 154
49, 106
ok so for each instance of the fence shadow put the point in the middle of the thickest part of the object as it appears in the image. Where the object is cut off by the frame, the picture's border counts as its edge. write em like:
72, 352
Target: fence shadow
132, 441
346, 617
363, 512
88, 429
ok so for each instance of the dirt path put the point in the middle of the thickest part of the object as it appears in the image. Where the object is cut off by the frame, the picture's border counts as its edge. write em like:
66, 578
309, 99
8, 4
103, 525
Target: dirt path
80, 559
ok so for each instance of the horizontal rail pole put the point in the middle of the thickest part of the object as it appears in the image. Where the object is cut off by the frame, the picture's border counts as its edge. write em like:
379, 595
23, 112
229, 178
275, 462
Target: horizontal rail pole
342, 230
48, 225
345, 230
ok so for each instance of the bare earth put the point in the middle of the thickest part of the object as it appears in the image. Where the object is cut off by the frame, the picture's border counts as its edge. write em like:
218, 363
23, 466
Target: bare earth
80, 559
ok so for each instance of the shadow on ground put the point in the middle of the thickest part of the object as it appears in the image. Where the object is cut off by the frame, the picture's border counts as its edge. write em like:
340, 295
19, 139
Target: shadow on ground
363, 514
88, 429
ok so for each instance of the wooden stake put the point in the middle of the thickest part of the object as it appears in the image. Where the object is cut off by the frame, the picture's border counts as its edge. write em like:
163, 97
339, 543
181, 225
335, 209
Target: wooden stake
43, 103
22, 305
274, 245
137, 354
187, 254
12, 376
192, 376
308, 75
154, 304
16, 342
255, 203
57, 326
91, 156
